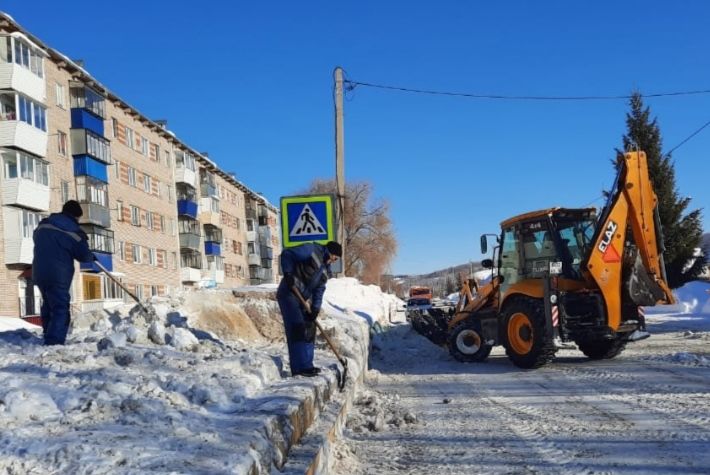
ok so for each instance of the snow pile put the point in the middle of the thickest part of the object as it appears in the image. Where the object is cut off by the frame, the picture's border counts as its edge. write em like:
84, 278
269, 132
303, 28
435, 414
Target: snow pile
190, 385
372, 410
13, 323
693, 297
347, 297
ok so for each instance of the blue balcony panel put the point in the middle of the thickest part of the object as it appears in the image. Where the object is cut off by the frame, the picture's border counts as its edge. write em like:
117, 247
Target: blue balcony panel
212, 248
89, 166
187, 208
105, 259
84, 119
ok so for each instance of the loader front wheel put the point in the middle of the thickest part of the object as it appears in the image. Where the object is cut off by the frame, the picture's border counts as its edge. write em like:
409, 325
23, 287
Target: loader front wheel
526, 341
466, 343
598, 349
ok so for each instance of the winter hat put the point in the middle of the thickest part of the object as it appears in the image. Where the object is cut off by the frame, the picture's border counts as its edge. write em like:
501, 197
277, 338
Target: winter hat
334, 248
72, 208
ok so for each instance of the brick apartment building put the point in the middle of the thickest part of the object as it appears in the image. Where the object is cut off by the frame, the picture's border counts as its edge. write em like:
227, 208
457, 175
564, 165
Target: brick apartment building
159, 215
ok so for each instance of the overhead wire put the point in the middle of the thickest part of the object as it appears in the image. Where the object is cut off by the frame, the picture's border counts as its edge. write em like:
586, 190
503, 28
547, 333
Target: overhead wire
353, 84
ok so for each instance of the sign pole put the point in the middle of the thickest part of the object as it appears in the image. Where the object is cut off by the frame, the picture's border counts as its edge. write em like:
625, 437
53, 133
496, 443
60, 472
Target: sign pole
340, 157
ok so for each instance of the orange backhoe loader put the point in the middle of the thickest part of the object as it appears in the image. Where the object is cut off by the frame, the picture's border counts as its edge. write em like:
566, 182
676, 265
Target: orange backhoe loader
564, 276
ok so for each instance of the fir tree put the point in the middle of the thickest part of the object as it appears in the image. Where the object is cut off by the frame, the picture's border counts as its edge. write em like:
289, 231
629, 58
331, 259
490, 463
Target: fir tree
682, 232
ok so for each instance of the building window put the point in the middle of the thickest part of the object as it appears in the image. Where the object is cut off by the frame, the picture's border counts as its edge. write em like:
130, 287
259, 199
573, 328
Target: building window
167, 158
136, 253
33, 113
131, 176
129, 137
135, 216
114, 127
61, 143
61, 97
92, 286
139, 291
152, 257
173, 228
117, 168
149, 220
30, 220
144, 146
28, 57
171, 197
162, 224
146, 183
91, 190
8, 111
84, 97
119, 210
30, 167
173, 259
65, 191
153, 290
122, 250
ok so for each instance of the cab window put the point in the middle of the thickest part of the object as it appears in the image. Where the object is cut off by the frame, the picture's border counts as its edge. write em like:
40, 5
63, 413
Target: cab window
509, 258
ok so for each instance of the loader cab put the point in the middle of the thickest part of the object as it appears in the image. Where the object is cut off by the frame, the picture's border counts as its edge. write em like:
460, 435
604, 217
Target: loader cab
531, 242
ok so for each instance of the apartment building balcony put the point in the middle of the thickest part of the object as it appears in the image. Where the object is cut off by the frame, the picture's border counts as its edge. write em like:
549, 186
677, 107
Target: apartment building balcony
21, 79
215, 269
190, 241
213, 248
251, 236
187, 208
84, 143
18, 227
267, 252
95, 214
190, 265
208, 184
25, 192
254, 259
101, 243
265, 236
86, 119
88, 166
209, 212
19, 134
185, 175
250, 213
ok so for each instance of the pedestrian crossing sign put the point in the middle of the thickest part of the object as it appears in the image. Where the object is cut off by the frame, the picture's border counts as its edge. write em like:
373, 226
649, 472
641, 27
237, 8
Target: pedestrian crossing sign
308, 218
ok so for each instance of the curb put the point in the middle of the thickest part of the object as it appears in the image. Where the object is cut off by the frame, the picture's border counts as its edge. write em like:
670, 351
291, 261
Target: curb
302, 420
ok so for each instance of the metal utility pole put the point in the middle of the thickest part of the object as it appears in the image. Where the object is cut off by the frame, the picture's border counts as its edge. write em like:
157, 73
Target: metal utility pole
340, 156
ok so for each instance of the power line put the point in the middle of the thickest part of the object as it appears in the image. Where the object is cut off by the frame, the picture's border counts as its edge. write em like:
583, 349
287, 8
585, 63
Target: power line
688, 137
353, 84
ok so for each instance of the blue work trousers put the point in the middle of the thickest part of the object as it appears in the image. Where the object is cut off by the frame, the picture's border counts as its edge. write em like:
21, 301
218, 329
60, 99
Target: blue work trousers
55, 313
300, 334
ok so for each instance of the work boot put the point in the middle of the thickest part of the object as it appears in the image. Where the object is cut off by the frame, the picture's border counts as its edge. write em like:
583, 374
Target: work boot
309, 372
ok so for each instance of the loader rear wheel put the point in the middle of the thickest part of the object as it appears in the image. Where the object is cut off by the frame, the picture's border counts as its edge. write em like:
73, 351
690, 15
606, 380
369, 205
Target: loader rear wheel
527, 343
466, 343
598, 349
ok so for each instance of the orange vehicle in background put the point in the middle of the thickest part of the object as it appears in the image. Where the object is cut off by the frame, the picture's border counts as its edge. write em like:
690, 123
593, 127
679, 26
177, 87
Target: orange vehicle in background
417, 292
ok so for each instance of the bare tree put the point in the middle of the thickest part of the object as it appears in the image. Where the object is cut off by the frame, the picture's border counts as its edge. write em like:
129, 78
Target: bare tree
370, 244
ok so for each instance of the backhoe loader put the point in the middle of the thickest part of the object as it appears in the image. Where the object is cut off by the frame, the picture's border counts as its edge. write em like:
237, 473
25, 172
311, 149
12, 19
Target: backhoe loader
566, 276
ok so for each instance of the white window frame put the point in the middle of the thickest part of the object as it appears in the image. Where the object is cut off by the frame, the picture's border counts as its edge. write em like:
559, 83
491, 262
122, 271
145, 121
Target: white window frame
119, 209
129, 136
137, 253
135, 216
152, 257
131, 176
60, 95
64, 190
149, 219
144, 146
147, 183
62, 143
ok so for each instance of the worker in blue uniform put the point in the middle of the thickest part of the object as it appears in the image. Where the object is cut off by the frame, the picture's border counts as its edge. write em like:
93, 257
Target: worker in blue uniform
58, 242
305, 269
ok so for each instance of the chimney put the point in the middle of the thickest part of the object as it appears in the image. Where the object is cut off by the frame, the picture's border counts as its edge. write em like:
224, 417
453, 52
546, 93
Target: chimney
79, 62
205, 154
163, 123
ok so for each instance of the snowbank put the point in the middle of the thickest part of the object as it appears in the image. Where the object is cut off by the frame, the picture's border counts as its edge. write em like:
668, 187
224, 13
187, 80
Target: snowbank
194, 386
693, 297
13, 323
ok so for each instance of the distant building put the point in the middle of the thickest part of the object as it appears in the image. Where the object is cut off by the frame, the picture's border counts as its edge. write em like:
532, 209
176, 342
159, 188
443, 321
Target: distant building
159, 215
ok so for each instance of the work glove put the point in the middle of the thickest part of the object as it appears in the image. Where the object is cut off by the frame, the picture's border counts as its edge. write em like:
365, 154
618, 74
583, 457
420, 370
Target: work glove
289, 280
309, 316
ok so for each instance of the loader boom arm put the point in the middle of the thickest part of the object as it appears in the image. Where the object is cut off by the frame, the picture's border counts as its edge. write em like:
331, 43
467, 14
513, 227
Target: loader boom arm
632, 207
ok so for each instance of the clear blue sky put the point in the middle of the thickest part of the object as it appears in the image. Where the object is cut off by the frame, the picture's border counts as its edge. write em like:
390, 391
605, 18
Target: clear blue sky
250, 82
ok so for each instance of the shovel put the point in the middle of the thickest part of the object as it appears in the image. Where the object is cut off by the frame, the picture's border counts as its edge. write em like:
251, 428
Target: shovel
342, 378
146, 313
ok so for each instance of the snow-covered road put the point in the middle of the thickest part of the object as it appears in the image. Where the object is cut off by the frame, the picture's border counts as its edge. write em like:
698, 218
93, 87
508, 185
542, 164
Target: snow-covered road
647, 411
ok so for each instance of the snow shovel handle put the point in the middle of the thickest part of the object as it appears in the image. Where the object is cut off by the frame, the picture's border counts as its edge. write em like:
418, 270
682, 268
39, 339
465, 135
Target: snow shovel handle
117, 282
305, 303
